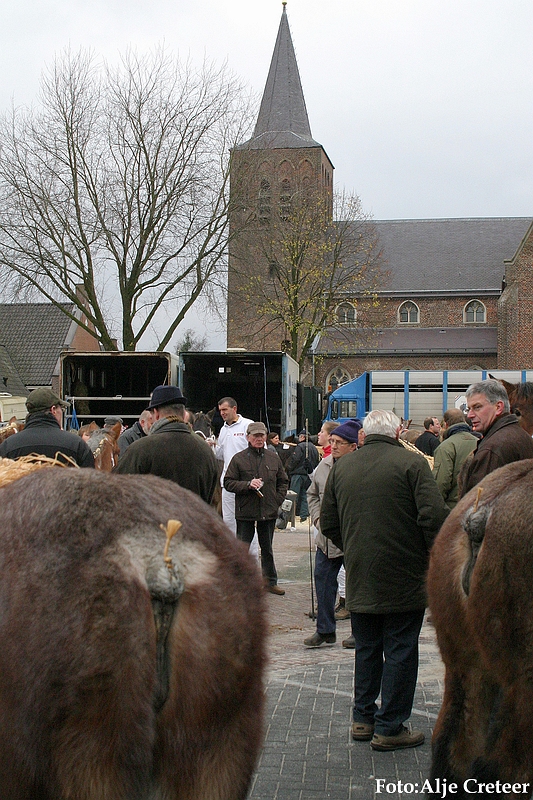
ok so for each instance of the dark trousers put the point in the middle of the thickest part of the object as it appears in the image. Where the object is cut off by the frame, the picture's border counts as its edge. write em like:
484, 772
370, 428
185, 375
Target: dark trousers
326, 571
265, 534
300, 485
386, 660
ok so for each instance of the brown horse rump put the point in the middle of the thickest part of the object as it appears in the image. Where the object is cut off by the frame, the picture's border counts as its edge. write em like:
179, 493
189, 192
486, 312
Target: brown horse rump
480, 583
82, 554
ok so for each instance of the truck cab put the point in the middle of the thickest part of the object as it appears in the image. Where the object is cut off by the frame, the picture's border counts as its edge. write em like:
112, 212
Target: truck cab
351, 399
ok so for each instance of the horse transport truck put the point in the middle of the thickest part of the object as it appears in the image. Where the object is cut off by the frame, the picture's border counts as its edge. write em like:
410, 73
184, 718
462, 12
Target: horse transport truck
117, 383
411, 394
112, 383
265, 385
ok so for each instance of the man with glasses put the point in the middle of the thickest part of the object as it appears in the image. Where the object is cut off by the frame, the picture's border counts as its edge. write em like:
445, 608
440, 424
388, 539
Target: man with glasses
503, 442
43, 433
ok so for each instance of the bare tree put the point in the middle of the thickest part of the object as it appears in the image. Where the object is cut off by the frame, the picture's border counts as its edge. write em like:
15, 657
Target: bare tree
117, 184
310, 262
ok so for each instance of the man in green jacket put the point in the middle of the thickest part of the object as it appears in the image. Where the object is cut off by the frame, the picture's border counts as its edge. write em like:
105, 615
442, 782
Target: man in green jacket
457, 444
382, 508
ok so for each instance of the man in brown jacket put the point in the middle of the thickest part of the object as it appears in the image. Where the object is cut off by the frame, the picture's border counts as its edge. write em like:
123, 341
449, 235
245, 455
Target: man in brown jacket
259, 482
503, 442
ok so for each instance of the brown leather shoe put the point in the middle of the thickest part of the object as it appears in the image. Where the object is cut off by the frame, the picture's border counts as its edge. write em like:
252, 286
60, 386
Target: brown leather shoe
405, 738
318, 639
341, 612
362, 731
273, 588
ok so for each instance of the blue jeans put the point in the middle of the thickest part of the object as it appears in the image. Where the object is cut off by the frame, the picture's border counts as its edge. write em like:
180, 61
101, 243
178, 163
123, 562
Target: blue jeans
300, 485
386, 660
326, 571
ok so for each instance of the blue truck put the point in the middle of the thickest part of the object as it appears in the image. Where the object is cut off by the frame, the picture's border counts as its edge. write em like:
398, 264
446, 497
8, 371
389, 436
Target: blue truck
410, 394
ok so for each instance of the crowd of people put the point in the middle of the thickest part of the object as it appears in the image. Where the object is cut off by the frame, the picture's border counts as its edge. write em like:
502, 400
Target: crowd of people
374, 505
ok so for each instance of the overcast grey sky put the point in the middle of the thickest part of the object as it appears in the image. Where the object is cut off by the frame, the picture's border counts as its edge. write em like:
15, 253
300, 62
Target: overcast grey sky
424, 107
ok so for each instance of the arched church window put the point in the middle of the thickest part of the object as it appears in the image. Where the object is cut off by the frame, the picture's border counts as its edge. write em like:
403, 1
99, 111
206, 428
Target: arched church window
336, 377
265, 197
475, 311
285, 199
409, 312
346, 314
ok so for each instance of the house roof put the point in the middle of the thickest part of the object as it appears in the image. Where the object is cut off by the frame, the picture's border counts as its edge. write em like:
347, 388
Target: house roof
282, 120
427, 256
10, 380
409, 341
33, 335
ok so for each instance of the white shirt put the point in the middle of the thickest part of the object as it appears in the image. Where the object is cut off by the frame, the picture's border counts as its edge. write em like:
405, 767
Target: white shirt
232, 439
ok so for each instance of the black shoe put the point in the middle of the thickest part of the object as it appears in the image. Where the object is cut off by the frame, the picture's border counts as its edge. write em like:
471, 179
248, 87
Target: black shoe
318, 639
349, 643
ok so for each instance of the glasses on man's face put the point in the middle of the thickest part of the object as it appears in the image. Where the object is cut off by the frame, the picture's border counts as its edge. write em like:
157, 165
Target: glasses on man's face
340, 443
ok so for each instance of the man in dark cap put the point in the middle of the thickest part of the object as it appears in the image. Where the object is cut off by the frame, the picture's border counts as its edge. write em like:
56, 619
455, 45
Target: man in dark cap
110, 422
171, 450
43, 435
259, 482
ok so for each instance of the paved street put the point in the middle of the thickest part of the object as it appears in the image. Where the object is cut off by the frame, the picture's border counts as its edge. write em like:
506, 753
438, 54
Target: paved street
308, 753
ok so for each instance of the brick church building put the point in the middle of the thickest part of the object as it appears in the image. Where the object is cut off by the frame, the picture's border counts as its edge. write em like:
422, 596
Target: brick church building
454, 293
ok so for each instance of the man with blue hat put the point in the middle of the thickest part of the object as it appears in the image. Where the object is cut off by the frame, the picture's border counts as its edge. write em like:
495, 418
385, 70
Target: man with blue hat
171, 450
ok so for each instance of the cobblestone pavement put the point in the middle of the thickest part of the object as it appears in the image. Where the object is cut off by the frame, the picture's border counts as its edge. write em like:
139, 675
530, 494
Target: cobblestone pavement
308, 753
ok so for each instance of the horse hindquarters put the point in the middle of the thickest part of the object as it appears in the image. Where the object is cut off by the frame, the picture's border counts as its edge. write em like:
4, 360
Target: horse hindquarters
485, 631
458, 733
216, 693
79, 555
76, 716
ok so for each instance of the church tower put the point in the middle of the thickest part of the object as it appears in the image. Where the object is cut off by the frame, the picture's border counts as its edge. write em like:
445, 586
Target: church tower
279, 162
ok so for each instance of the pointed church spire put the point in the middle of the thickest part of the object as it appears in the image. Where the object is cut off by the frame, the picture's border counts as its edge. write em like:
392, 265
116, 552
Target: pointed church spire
282, 120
